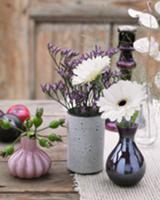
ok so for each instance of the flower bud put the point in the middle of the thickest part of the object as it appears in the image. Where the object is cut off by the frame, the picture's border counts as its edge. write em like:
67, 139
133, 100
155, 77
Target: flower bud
55, 138
54, 124
44, 143
37, 121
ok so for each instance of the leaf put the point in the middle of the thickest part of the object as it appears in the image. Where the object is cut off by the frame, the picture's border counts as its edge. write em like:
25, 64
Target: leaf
134, 117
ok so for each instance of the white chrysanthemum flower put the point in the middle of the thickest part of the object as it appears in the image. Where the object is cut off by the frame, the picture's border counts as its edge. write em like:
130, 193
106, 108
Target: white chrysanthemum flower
157, 80
157, 7
89, 69
144, 45
145, 19
122, 100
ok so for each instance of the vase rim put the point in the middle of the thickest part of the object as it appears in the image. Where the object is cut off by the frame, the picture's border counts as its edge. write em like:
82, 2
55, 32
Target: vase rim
134, 126
78, 116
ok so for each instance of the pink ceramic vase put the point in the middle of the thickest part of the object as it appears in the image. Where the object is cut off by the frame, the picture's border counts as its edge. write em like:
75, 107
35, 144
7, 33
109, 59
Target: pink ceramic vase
29, 161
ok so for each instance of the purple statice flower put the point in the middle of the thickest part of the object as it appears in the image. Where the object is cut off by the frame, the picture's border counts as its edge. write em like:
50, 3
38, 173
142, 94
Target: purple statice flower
45, 87
111, 52
81, 99
78, 96
61, 86
98, 52
54, 50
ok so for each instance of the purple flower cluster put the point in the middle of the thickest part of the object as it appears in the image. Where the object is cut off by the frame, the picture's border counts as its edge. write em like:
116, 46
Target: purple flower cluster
80, 99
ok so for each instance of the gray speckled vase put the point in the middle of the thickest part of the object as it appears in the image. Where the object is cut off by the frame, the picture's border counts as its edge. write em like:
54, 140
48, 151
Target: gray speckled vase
85, 144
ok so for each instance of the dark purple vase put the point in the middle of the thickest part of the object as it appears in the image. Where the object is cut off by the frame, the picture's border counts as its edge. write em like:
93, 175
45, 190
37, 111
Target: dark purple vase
125, 165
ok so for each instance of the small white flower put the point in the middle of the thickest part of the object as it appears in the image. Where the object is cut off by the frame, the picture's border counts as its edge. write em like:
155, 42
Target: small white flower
145, 19
89, 69
144, 45
157, 7
157, 80
121, 100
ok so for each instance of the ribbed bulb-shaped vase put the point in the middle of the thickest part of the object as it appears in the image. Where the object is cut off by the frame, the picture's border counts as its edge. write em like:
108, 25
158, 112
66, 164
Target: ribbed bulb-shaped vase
29, 161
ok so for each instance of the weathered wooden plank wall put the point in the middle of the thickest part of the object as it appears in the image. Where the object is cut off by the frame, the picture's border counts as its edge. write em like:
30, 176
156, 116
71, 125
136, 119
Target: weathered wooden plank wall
26, 26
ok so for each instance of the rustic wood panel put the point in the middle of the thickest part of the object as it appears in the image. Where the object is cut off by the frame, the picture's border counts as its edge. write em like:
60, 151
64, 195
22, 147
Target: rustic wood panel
23, 42
14, 49
95, 34
77, 36
44, 71
41, 196
82, 10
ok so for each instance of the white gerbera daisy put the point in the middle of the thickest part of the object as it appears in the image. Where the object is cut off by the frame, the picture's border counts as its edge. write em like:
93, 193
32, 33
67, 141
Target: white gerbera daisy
145, 19
122, 100
89, 69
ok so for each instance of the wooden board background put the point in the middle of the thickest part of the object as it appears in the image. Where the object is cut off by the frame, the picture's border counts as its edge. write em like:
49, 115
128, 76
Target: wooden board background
26, 26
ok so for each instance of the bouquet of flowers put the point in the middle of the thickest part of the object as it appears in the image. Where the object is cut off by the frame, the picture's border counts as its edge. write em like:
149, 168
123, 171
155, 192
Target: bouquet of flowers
83, 77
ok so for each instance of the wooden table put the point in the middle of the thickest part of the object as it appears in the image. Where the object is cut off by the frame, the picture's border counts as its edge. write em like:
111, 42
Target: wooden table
58, 184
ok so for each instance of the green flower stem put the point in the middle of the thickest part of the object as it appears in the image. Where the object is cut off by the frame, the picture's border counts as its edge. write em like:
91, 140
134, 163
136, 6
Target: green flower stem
42, 129
64, 126
58, 100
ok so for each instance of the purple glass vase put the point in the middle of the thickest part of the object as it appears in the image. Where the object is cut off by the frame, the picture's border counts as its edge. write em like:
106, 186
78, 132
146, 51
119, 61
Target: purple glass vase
125, 165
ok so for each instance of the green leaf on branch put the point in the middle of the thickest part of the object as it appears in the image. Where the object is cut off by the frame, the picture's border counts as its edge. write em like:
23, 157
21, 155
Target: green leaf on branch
134, 117
54, 124
37, 121
44, 143
55, 138
39, 112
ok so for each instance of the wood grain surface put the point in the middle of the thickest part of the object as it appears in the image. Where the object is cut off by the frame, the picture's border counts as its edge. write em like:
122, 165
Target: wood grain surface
26, 26
58, 184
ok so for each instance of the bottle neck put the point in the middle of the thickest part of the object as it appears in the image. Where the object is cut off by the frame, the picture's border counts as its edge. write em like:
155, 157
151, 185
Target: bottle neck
28, 144
127, 132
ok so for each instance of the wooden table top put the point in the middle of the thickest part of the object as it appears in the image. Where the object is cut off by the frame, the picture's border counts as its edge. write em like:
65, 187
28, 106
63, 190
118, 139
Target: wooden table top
58, 184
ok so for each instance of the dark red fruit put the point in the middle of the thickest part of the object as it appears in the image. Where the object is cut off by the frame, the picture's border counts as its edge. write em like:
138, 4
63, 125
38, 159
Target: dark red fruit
20, 111
11, 134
